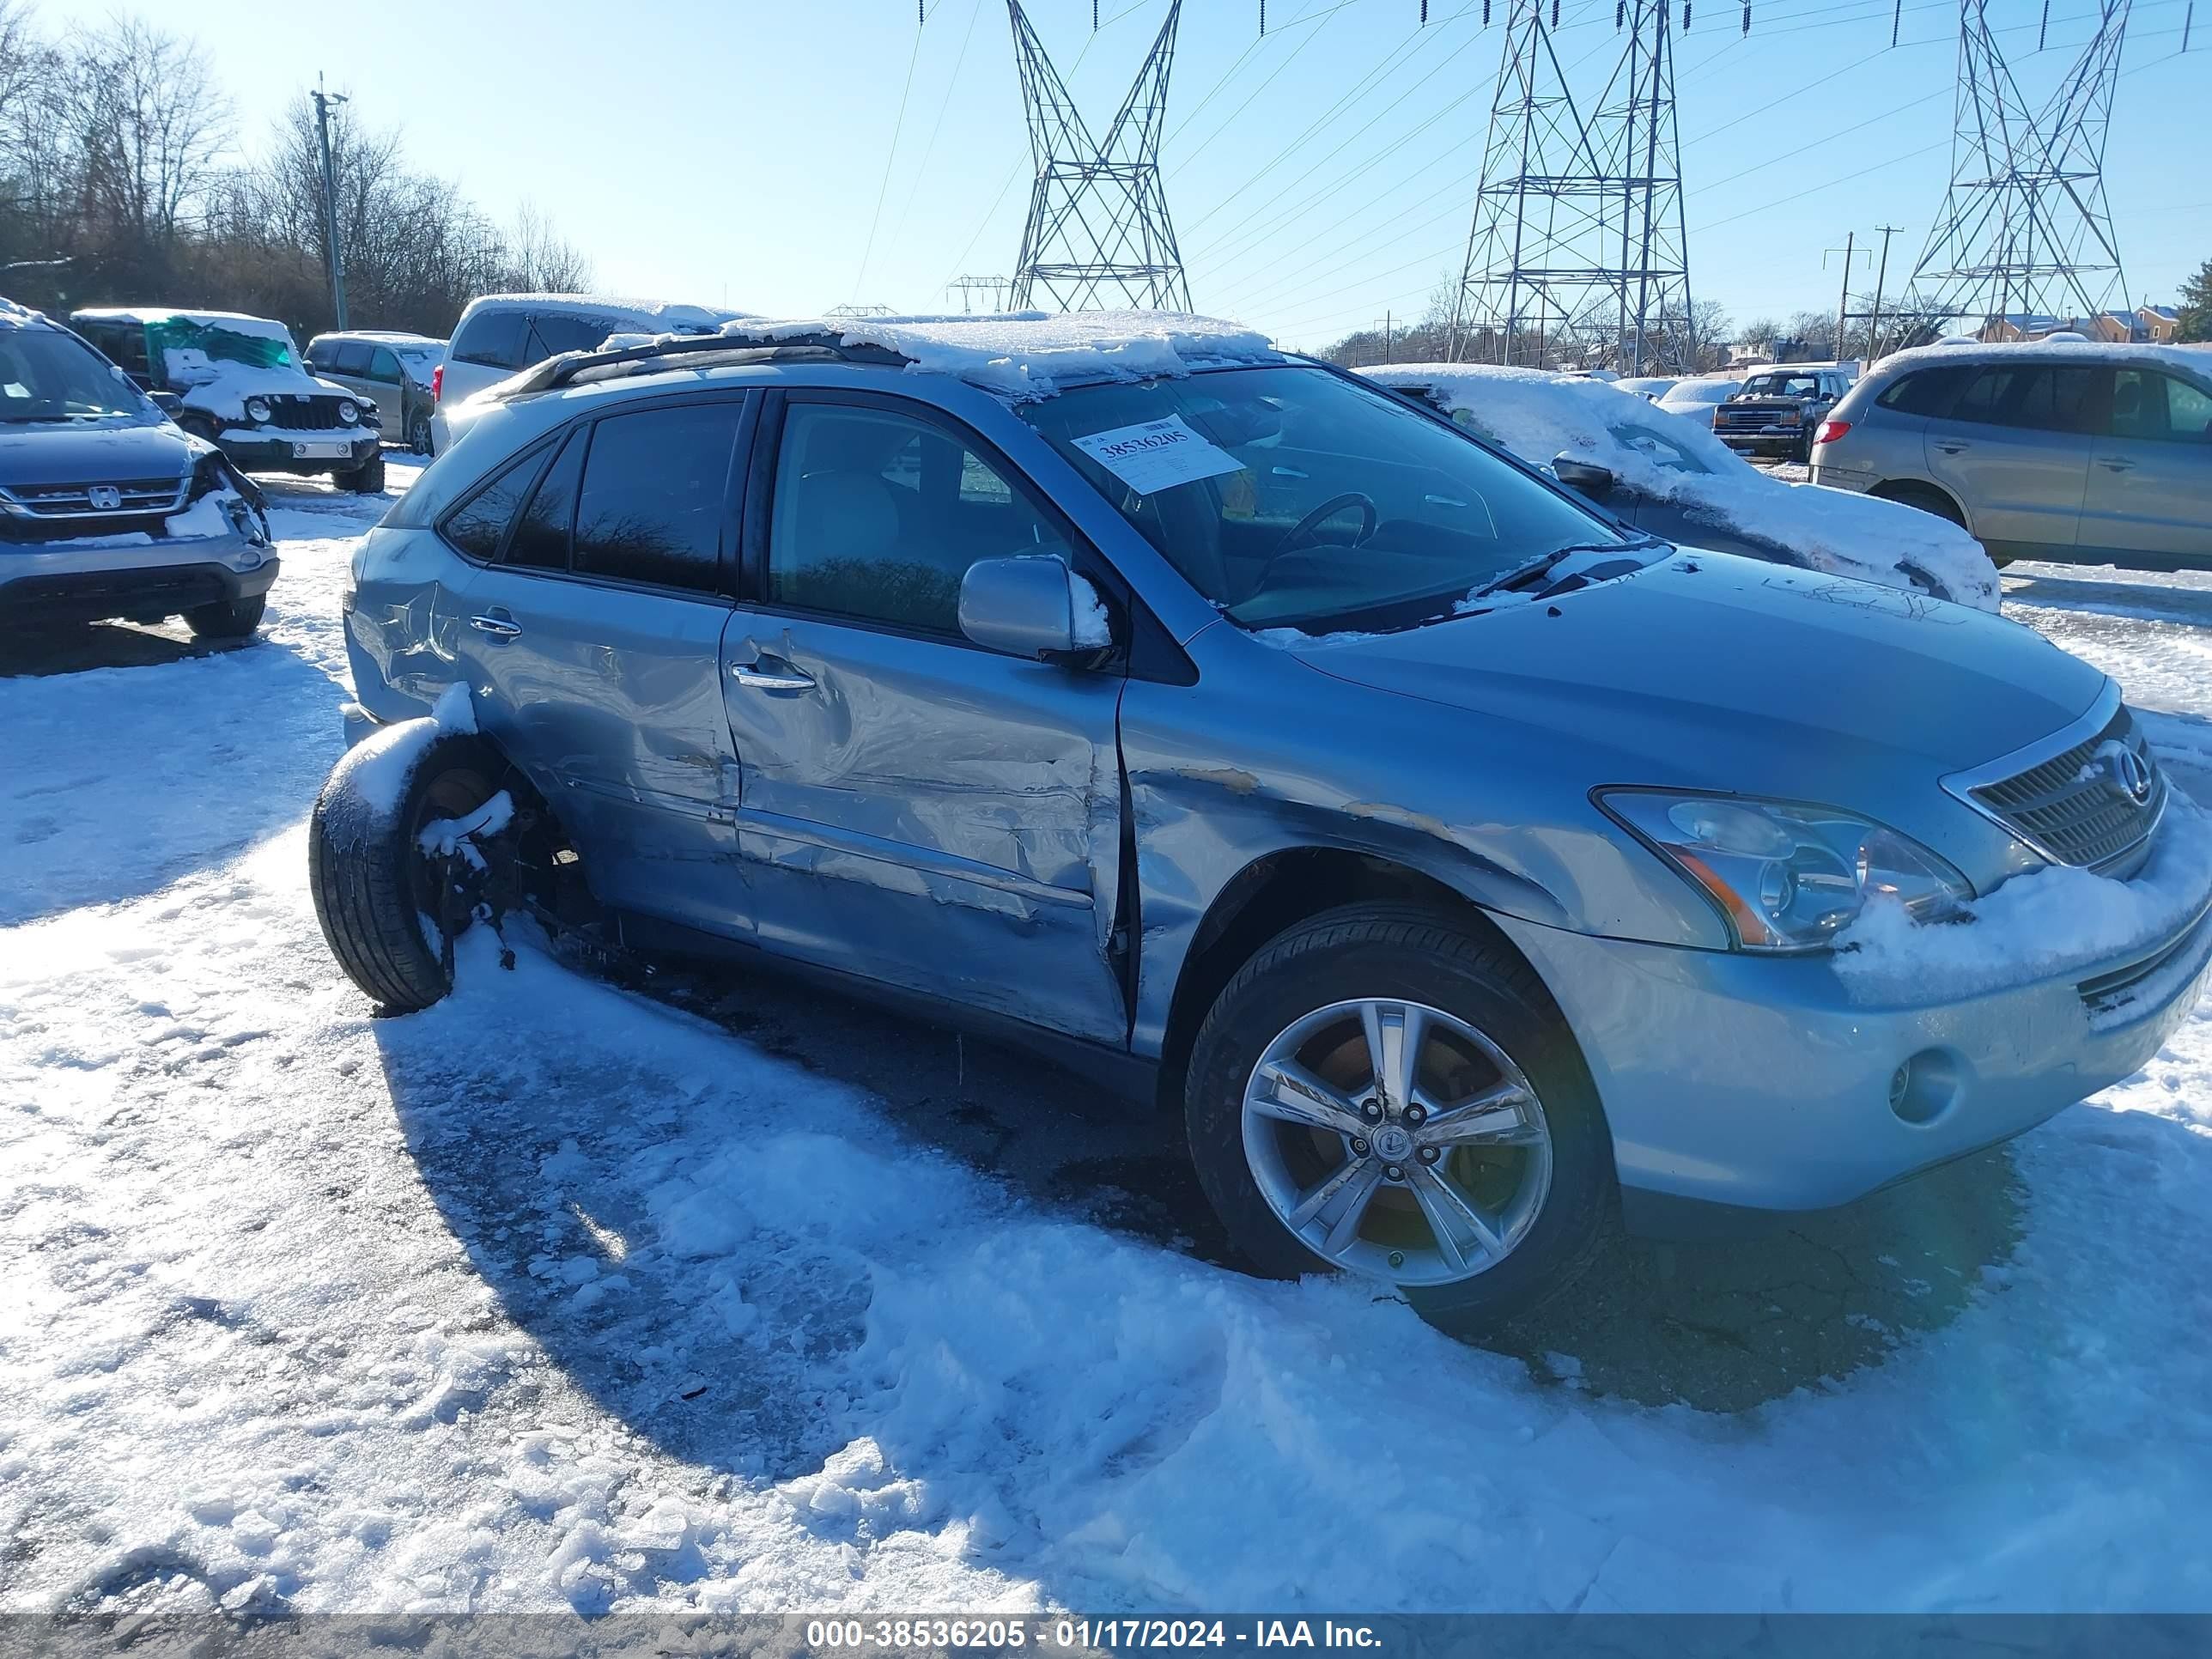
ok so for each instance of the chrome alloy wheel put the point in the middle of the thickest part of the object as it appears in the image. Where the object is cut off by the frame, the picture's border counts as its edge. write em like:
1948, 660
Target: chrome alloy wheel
1397, 1142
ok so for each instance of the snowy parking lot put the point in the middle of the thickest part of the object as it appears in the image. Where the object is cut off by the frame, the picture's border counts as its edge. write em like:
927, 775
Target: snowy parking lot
715, 1292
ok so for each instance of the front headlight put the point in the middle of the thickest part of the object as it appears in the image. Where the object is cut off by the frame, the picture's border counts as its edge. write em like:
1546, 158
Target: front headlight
1788, 877
257, 410
348, 411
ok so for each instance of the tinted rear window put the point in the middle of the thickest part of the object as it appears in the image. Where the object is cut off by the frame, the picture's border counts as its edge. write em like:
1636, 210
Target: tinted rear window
1925, 391
493, 338
558, 332
654, 491
541, 535
351, 357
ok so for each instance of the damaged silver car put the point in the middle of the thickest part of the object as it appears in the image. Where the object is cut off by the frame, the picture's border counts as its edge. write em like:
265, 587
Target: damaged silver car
1469, 868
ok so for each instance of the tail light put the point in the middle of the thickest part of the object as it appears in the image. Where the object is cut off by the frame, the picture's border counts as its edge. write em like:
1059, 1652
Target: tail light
1830, 431
437, 383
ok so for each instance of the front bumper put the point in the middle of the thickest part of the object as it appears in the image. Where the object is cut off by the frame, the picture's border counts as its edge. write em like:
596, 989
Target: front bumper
76, 584
1778, 440
271, 449
1738, 1082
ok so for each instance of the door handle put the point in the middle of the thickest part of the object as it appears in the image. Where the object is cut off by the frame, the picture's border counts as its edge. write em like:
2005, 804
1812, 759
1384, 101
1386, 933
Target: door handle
2116, 464
1952, 446
499, 626
762, 676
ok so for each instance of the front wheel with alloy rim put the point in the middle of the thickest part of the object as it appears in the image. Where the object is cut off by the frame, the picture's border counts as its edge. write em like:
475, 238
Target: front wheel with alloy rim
1381, 1093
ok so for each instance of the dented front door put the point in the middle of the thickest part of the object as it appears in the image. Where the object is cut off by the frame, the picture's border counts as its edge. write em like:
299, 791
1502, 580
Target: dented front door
930, 815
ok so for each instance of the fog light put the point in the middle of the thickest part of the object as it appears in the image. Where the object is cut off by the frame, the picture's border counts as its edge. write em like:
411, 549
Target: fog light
1921, 1089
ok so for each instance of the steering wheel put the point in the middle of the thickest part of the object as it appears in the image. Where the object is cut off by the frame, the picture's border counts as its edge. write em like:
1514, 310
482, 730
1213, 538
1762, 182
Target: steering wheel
1327, 510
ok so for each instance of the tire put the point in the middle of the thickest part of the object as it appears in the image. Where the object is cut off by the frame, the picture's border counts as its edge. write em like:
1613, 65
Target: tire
418, 435
1407, 953
373, 888
366, 479
226, 619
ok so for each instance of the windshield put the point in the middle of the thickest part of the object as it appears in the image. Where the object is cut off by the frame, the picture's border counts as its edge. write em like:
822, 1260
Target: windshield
1291, 498
264, 346
48, 376
1783, 385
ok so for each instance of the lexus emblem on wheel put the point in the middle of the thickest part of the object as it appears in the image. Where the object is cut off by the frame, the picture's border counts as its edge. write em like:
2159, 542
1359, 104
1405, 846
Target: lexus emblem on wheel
104, 498
2128, 773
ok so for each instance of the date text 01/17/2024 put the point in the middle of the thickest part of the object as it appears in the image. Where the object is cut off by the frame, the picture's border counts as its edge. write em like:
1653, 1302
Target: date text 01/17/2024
1002, 1634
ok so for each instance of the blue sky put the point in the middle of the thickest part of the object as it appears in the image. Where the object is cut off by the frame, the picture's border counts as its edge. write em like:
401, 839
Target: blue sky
786, 158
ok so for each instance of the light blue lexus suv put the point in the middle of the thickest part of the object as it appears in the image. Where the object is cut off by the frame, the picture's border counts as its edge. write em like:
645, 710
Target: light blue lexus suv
1470, 869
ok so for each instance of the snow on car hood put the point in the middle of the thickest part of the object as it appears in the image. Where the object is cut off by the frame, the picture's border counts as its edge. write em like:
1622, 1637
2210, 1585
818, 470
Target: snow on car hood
1827, 680
1538, 418
221, 389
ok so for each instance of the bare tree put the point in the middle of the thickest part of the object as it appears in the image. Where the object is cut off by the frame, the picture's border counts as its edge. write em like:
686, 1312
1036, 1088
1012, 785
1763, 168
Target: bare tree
539, 262
150, 126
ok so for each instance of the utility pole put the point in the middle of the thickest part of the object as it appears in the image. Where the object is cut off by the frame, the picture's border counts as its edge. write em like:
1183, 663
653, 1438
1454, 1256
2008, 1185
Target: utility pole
323, 102
1849, 250
1385, 319
1880, 280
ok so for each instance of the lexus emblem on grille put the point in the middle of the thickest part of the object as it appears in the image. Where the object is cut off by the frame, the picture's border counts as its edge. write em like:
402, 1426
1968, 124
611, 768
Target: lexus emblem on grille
104, 498
2128, 773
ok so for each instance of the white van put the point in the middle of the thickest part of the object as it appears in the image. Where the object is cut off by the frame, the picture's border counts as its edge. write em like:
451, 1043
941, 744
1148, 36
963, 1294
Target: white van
501, 334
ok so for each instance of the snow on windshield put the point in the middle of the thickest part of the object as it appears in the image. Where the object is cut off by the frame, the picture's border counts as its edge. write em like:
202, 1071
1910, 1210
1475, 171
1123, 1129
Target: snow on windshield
1540, 416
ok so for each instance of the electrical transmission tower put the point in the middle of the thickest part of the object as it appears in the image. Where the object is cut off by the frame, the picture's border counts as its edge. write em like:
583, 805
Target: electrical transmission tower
1577, 244
969, 287
1098, 232
2024, 230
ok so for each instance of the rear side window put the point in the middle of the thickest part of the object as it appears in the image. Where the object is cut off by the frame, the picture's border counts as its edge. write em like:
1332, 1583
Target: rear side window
492, 339
656, 486
541, 535
2052, 400
351, 357
479, 524
557, 333
1926, 392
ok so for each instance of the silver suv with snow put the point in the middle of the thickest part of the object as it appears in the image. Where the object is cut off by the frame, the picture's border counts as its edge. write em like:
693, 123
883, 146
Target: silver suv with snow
106, 508
1465, 866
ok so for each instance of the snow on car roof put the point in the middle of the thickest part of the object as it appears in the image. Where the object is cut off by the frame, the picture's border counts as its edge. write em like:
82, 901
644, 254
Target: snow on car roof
237, 321
1027, 356
2090, 351
1539, 417
686, 316
15, 316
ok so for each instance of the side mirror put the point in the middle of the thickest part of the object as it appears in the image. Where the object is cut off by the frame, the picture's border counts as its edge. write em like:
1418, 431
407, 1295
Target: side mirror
168, 401
1027, 606
1584, 477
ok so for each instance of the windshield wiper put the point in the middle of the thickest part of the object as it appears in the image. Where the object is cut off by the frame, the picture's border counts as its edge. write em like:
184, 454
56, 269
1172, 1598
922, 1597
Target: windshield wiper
1543, 562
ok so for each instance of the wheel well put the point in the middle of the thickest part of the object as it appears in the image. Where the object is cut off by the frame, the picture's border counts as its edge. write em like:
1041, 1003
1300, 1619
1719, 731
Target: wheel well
1905, 490
1277, 892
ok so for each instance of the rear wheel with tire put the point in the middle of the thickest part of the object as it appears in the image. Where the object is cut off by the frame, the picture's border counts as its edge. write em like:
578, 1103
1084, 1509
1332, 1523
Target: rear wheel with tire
1380, 1092
226, 619
366, 479
418, 434
395, 880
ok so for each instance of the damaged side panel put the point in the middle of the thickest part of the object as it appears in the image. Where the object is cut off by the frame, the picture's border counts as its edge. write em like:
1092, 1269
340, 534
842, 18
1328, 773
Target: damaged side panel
928, 814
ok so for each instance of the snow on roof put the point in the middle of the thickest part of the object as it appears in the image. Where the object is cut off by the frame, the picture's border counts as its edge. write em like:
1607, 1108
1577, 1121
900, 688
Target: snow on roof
2165, 312
14, 316
1027, 356
237, 321
675, 315
1540, 416
2090, 351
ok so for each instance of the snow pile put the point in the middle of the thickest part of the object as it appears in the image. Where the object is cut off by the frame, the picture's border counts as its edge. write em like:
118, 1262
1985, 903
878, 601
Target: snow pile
221, 389
1093, 627
1539, 417
2040, 924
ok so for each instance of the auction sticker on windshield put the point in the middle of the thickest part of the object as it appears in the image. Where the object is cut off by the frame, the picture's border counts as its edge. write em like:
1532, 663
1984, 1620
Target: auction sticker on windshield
1158, 455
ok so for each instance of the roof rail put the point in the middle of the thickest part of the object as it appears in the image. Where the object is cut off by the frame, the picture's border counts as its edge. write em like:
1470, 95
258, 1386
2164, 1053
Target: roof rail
555, 372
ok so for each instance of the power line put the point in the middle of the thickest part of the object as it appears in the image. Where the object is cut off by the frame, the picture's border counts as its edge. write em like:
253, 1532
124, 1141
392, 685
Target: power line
868, 251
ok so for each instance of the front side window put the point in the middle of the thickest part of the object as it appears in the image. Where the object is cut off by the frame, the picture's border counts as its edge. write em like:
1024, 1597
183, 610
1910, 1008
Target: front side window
47, 378
655, 496
2188, 410
2139, 409
1290, 496
878, 516
351, 357
2053, 399
384, 365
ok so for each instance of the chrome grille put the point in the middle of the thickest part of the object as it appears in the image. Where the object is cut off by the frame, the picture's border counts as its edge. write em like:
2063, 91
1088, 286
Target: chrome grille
2074, 808
77, 501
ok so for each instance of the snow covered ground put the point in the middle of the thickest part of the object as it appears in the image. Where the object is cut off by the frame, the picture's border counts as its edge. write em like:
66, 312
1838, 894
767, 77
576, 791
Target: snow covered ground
562, 1295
